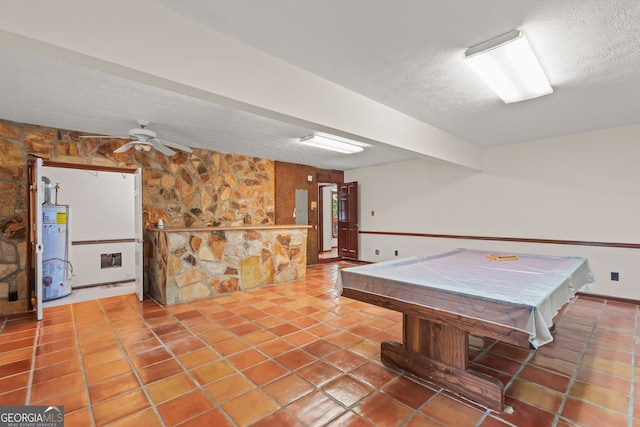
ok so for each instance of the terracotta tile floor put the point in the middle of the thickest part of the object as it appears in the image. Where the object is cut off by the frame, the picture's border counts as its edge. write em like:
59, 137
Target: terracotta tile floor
297, 355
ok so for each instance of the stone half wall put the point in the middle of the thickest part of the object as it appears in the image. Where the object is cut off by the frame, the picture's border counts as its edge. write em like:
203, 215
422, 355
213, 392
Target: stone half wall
188, 265
204, 188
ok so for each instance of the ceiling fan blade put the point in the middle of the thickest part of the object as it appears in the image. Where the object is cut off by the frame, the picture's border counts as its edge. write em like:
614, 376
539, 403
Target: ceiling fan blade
161, 148
174, 145
104, 136
124, 148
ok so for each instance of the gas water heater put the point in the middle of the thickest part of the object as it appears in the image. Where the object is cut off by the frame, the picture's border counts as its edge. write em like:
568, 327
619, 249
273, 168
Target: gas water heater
55, 283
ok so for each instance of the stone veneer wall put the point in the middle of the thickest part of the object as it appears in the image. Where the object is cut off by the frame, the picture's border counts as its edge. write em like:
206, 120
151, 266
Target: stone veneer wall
204, 188
197, 264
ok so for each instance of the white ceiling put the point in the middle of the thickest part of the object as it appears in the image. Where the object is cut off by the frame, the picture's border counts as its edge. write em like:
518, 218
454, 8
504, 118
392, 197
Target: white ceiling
403, 54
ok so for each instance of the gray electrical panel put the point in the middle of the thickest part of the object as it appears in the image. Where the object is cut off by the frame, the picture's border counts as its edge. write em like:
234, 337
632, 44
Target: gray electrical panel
302, 212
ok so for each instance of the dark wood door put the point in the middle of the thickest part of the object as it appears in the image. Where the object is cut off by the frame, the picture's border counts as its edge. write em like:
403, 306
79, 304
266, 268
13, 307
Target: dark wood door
348, 220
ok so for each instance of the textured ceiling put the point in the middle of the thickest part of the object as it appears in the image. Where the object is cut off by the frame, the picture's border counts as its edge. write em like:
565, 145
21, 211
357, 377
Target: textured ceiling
407, 54
48, 92
403, 54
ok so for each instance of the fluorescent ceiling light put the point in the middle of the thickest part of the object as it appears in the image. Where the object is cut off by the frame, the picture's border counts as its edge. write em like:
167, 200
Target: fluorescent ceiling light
331, 144
508, 65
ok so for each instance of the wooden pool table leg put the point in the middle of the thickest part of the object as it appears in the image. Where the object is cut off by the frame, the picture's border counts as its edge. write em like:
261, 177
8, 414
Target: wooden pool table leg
440, 353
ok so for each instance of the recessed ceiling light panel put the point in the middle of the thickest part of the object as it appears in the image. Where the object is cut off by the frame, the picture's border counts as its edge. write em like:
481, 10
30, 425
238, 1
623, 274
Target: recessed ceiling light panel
509, 67
326, 143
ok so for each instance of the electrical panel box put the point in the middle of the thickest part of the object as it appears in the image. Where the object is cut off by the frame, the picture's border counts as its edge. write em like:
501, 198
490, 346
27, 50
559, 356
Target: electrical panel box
302, 203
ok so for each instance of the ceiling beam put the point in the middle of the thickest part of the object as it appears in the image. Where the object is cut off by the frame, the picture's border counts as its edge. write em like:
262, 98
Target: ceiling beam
145, 42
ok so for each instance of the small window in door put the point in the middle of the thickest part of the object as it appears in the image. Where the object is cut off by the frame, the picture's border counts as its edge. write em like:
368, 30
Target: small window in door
334, 213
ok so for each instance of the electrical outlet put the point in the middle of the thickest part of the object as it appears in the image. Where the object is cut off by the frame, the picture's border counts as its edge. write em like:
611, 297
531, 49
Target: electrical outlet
615, 276
396, 253
377, 251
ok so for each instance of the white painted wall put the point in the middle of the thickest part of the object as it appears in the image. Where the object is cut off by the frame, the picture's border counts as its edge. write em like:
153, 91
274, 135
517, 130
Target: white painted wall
578, 187
102, 207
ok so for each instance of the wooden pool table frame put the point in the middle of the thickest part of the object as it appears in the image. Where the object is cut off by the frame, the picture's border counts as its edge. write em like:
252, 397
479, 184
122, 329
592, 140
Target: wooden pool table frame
435, 345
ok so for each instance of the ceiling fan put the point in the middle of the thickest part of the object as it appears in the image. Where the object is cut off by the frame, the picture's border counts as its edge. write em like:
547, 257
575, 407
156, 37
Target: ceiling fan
143, 139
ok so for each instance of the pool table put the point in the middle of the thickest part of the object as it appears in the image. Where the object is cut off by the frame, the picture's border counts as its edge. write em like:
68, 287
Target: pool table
512, 298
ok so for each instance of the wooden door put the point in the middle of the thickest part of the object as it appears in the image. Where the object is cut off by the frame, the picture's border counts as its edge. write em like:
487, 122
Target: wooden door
35, 248
348, 220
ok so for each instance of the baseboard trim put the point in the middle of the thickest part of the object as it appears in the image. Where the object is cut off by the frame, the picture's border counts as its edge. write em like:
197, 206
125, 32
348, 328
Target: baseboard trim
609, 298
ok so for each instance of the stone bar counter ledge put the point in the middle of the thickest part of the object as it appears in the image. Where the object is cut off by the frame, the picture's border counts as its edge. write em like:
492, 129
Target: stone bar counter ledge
193, 263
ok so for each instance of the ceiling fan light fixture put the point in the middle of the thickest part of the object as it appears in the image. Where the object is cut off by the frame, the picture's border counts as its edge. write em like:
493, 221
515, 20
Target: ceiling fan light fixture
331, 144
144, 139
508, 65
142, 132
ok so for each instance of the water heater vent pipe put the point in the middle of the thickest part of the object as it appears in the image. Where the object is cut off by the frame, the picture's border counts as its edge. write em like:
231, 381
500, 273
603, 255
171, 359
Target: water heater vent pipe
47, 190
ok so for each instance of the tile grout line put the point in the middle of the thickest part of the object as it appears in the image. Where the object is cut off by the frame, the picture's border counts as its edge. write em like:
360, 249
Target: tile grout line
239, 371
82, 369
293, 372
178, 361
274, 360
378, 389
345, 373
225, 359
425, 383
572, 380
133, 368
313, 386
117, 320
486, 350
520, 369
295, 346
4, 323
401, 374
508, 385
375, 389
33, 362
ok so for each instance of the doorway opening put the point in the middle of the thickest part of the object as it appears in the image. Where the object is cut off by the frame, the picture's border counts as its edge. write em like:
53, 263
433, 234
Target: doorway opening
327, 222
97, 217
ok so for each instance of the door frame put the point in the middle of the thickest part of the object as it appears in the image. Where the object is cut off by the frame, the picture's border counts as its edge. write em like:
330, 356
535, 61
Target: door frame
348, 217
35, 214
34, 225
320, 240
139, 231
321, 216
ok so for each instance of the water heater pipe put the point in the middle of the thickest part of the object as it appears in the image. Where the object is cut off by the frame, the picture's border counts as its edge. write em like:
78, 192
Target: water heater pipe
47, 190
